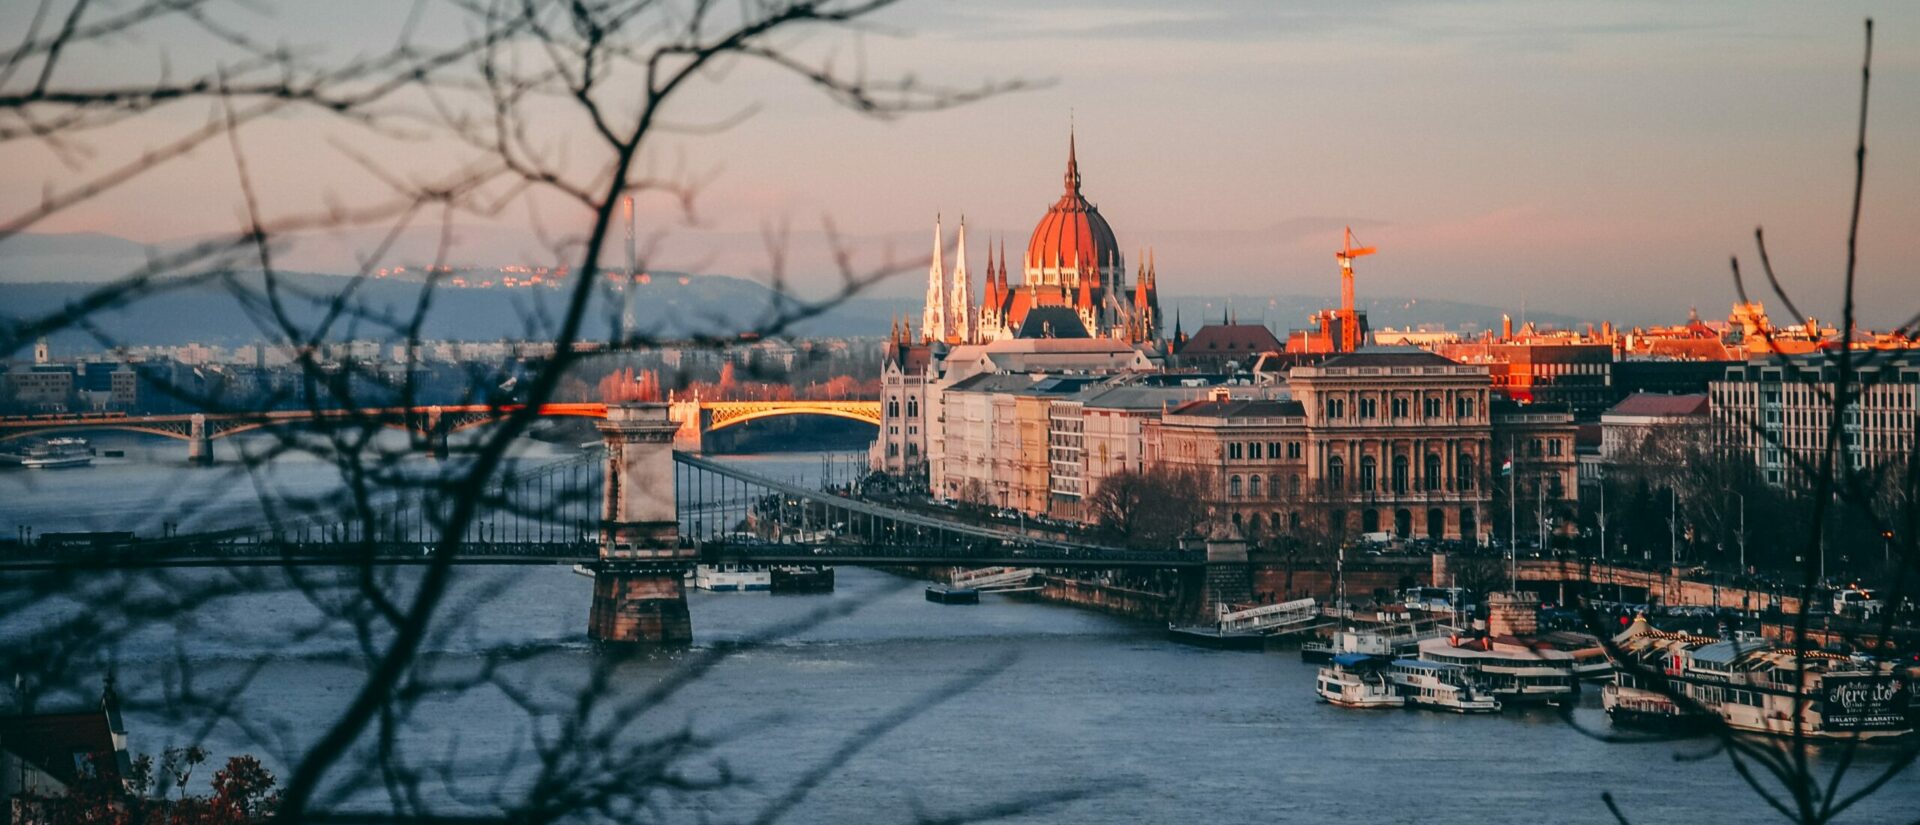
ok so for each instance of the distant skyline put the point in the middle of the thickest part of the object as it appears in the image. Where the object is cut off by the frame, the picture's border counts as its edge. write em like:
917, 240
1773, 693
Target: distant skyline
1596, 160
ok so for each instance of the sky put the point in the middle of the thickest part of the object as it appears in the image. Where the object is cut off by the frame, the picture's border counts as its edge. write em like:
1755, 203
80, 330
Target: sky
1601, 160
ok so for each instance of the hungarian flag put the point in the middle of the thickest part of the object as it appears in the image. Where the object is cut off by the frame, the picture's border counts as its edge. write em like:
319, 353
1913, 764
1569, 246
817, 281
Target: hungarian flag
1506, 467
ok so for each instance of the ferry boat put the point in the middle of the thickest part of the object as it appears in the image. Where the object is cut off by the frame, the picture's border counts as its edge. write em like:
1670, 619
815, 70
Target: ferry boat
727, 578
1358, 680
57, 453
1752, 686
1441, 687
1512, 669
1369, 642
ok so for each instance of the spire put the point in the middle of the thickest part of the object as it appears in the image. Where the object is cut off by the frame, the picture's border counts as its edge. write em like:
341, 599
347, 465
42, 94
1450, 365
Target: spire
1003, 265
933, 322
1073, 163
1179, 335
960, 305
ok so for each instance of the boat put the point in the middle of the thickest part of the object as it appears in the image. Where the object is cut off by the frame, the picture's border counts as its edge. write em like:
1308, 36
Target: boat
1751, 685
1514, 670
1372, 643
1628, 705
730, 577
801, 578
57, 453
1358, 680
948, 594
1441, 687
1216, 637
1590, 660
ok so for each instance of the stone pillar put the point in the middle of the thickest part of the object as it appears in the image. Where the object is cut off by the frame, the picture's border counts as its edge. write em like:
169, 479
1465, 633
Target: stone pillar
1228, 579
691, 436
639, 596
1513, 613
437, 439
199, 444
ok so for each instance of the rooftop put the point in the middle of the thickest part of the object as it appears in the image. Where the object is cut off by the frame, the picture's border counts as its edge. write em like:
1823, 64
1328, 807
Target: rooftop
1656, 405
1388, 357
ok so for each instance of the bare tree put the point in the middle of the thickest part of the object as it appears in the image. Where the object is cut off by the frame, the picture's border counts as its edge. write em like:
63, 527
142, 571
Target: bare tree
554, 109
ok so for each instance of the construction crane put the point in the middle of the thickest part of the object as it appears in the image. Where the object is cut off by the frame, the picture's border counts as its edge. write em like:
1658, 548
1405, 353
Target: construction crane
1349, 319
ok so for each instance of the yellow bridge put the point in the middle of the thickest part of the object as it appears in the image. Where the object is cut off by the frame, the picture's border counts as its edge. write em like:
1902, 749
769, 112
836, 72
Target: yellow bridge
697, 417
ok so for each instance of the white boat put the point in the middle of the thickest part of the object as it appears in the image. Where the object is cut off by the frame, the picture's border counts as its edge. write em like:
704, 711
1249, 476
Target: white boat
727, 578
1370, 642
1754, 686
1357, 680
1441, 687
57, 453
1513, 670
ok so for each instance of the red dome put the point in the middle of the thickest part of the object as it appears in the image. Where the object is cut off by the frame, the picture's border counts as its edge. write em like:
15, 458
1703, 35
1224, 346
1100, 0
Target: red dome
1072, 231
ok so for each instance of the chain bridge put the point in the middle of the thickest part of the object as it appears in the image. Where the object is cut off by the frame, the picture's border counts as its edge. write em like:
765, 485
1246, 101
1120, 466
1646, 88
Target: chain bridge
636, 512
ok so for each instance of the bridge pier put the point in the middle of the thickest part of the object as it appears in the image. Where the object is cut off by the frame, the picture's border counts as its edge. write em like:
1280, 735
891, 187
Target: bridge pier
639, 592
199, 444
1227, 579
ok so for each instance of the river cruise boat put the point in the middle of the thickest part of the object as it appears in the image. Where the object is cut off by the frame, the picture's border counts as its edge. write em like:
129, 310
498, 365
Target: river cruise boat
58, 453
1358, 680
1590, 661
1441, 687
948, 594
1514, 670
730, 578
1753, 686
1369, 642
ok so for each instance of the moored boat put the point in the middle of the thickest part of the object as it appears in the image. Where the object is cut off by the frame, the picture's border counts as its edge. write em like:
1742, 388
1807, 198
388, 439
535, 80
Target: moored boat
1514, 670
727, 578
1358, 680
1441, 687
58, 453
948, 594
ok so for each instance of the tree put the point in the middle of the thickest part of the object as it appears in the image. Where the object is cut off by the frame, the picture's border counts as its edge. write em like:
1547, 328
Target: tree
555, 111
1151, 508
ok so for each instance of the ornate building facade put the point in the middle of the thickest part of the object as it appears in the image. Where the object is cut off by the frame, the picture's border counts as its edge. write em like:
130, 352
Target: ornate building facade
1073, 263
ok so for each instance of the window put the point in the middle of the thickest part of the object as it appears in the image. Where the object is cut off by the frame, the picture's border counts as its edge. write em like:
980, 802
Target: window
1253, 487
1399, 474
1336, 408
1253, 450
1369, 408
1273, 451
1400, 407
1233, 488
1367, 473
1293, 449
1431, 407
1463, 407
1553, 446
893, 407
1466, 471
1430, 478
1533, 448
1336, 473
1293, 489
913, 408
1233, 451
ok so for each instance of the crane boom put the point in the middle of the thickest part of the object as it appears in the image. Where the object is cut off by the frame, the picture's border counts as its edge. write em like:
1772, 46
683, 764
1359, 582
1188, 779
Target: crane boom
1349, 318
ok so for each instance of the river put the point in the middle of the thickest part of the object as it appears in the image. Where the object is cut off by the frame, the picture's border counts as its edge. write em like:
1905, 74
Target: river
1139, 729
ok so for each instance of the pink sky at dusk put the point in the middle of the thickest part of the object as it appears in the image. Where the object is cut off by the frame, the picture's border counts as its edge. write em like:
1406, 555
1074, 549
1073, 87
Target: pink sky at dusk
1597, 160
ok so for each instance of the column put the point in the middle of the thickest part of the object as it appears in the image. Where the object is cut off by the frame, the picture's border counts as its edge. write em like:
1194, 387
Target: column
638, 593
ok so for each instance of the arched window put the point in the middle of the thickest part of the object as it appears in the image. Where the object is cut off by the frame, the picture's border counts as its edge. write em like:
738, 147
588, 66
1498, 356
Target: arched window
1466, 471
913, 407
1293, 486
1430, 480
1233, 491
1399, 474
1253, 487
1436, 523
1368, 474
1369, 520
893, 406
1336, 473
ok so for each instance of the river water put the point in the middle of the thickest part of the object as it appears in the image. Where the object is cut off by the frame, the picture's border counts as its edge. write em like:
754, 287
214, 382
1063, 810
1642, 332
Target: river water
1103, 709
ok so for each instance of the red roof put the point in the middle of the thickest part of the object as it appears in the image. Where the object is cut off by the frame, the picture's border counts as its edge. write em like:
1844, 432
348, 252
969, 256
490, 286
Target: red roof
1656, 405
1228, 339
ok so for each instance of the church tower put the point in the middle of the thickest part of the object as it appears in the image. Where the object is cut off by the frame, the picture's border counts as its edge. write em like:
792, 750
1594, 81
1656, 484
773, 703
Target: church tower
933, 323
960, 305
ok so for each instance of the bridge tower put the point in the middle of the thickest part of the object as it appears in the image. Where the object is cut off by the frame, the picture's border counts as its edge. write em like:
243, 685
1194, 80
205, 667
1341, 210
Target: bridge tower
1227, 579
199, 443
693, 420
638, 593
